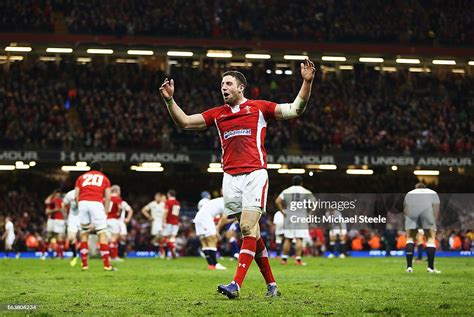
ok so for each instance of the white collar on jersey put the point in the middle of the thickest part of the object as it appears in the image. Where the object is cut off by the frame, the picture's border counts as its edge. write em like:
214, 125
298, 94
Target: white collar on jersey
236, 108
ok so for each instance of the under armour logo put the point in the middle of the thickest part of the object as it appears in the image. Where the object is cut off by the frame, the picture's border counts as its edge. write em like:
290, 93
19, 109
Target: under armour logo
242, 265
247, 108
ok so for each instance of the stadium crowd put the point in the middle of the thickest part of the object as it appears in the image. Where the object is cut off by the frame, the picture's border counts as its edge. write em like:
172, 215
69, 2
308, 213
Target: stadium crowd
415, 21
116, 106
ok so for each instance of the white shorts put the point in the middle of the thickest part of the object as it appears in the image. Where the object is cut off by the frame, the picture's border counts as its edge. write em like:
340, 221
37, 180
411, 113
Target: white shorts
123, 228
245, 192
156, 228
73, 224
205, 227
113, 226
50, 225
9, 241
170, 230
334, 232
296, 233
92, 213
57, 226
279, 229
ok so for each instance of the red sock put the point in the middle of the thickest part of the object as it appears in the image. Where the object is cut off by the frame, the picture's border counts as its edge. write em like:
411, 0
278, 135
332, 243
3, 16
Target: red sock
60, 249
261, 257
84, 252
247, 253
162, 249
113, 249
104, 252
171, 247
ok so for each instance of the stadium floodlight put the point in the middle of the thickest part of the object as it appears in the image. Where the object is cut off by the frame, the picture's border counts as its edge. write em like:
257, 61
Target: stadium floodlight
394, 168
268, 71
371, 59
127, 61
84, 59
291, 171
334, 58
7, 167
322, 166
346, 67
407, 60
81, 164
471, 63
19, 165
74, 168
180, 53
444, 62
386, 69
311, 173
240, 64
278, 72
18, 49
32, 163
215, 170
12, 57
327, 68
288, 72
146, 169
426, 172
100, 51
419, 70
219, 54
49, 58
357, 171
295, 57
151, 164
215, 165
258, 56
64, 50
458, 71
140, 52
273, 166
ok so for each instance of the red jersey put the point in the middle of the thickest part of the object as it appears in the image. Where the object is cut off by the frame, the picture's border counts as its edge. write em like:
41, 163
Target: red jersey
173, 207
92, 186
57, 204
115, 207
242, 134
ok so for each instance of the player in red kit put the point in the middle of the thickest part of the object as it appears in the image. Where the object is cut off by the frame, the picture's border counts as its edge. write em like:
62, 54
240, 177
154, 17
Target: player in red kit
241, 124
171, 220
113, 223
93, 199
56, 225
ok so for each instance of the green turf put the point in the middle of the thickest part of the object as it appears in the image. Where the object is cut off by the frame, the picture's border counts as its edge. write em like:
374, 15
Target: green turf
185, 287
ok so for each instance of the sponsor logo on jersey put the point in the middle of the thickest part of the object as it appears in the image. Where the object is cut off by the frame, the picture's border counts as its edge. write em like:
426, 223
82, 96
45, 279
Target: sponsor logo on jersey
232, 133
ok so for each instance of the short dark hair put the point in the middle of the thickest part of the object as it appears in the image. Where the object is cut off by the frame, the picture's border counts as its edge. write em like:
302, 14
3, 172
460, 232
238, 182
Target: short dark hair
96, 166
420, 185
237, 75
172, 192
297, 180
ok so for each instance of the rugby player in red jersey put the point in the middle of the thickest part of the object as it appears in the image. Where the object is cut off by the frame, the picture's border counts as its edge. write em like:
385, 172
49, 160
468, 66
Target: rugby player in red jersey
241, 124
93, 199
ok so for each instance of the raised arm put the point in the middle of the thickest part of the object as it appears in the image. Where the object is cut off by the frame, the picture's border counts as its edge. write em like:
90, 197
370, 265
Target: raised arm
181, 119
286, 111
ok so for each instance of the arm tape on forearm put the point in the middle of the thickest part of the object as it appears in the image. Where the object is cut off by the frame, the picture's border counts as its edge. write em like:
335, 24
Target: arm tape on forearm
293, 110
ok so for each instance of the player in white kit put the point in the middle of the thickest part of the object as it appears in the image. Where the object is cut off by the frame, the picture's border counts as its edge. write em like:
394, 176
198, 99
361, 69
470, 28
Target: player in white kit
9, 236
208, 231
278, 220
294, 193
73, 223
154, 211
421, 209
126, 215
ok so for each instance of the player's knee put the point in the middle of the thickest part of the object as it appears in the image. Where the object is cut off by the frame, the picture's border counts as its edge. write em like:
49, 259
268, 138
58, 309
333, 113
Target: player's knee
246, 229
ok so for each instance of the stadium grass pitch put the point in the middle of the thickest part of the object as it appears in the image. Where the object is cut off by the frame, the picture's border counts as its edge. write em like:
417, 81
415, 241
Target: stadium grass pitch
185, 287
